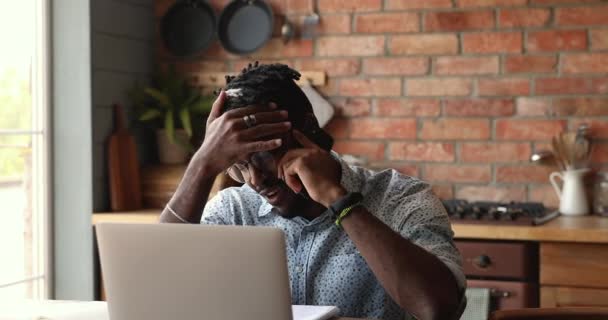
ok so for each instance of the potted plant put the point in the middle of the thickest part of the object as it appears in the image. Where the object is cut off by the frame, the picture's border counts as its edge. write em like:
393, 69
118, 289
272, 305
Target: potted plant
170, 105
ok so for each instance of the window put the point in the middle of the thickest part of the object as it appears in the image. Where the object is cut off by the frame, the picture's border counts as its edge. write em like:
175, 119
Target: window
24, 149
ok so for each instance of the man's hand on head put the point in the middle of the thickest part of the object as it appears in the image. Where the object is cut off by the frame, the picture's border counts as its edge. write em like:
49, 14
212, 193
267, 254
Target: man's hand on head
229, 138
313, 169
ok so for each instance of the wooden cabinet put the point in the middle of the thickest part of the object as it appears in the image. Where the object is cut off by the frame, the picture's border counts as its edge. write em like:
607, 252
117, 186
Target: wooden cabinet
574, 275
551, 297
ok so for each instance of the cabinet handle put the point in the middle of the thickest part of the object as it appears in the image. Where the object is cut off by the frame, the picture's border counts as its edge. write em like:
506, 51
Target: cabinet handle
495, 293
482, 261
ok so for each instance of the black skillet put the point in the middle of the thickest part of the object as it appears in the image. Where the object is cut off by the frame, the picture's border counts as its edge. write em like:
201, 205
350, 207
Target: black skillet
245, 26
188, 27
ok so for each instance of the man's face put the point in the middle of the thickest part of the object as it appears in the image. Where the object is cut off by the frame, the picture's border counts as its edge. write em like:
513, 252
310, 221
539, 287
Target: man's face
262, 176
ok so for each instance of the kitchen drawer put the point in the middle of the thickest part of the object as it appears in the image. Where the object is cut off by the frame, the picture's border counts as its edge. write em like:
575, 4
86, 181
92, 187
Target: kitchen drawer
509, 294
551, 297
574, 265
499, 260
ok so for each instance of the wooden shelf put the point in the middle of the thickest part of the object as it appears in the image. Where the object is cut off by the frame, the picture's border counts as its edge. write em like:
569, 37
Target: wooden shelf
590, 229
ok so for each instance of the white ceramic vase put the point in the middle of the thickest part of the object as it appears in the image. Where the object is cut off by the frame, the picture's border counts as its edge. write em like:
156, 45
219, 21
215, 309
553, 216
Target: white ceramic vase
572, 197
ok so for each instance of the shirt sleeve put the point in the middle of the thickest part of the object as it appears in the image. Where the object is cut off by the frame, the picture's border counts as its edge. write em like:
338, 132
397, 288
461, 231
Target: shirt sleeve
217, 209
428, 226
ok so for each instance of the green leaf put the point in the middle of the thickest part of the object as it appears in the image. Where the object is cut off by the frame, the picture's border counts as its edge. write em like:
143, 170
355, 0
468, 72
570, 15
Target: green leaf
203, 105
184, 116
170, 126
150, 114
162, 98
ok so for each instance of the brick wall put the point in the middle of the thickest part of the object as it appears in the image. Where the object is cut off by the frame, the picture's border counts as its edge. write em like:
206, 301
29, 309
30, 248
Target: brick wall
457, 92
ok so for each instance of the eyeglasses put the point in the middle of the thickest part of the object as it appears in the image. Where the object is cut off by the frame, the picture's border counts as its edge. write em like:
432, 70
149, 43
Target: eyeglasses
262, 161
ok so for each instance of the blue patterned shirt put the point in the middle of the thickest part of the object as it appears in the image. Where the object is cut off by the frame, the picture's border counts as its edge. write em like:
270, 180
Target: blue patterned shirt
325, 267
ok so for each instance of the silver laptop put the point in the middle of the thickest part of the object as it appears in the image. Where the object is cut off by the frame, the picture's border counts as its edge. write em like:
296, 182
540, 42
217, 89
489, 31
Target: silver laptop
176, 271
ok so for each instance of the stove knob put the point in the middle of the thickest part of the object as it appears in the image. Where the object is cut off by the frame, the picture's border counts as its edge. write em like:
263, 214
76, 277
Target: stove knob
482, 261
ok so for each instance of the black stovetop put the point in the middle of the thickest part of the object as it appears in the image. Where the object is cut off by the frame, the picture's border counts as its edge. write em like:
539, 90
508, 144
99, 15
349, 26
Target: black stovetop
486, 212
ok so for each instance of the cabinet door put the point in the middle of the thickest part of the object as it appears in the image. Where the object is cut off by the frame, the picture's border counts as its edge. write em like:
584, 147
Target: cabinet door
574, 265
551, 297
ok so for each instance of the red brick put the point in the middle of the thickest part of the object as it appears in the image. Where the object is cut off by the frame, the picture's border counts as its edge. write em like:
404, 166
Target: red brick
370, 87
299, 6
510, 129
510, 18
351, 107
466, 65
349, 5
457, 21
491, 193
580, 107
553, 2
598, 128
439, 87
387, 22
214, 51
332, 24
545, 194
369, 150
599, 154
374, 128
422, 151
523, 174
395, 66
599, 85
417, 4
530, 64
585, 63
332, 67
563, 85
338, 128
457, 173
492, 42
397, 107
443, 191
504, 87
599, 39
275, 48
533, 106
582, 16
479, 107
455, 129
424, 44
557, 40
489, 3
494, 152
351, 46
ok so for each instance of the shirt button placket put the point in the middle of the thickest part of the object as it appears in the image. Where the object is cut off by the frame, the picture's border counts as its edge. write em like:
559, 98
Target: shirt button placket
303, 254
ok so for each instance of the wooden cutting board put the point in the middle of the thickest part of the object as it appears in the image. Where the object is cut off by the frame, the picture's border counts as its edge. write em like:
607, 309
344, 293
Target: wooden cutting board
123, 167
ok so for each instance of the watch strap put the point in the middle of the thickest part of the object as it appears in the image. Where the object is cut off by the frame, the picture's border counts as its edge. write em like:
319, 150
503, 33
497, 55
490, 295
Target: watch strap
345, 202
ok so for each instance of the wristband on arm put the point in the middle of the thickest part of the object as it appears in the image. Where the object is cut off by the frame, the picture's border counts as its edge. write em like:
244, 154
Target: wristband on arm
341, 208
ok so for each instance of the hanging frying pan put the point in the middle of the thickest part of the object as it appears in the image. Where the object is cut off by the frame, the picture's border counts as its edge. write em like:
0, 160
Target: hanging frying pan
245, 26
188, 27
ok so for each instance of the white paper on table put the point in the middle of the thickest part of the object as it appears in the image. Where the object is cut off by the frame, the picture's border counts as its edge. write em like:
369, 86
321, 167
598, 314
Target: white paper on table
314, 312
53, 310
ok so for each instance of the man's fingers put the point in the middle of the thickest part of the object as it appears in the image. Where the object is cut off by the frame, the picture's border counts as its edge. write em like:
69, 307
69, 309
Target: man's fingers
216, 108
248, 110
258, 146
304, 141
264, 130
290, 176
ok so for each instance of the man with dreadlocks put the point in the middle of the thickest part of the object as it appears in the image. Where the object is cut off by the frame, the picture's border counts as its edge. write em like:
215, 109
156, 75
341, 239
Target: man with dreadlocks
375, 244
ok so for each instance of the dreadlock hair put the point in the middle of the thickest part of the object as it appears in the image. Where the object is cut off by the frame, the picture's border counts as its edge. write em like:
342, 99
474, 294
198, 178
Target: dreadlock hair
260, 84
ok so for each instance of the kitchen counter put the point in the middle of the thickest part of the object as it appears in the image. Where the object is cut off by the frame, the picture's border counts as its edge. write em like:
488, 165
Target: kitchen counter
588, 229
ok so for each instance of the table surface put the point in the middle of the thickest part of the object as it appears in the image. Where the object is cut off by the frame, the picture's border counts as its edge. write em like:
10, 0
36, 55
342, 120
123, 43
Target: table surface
586, 229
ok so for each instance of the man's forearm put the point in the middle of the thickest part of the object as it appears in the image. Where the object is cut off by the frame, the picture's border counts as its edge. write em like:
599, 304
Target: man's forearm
417, 280
189, 199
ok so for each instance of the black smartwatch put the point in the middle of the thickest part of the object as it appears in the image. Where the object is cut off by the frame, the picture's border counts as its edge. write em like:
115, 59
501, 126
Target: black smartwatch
348, 200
